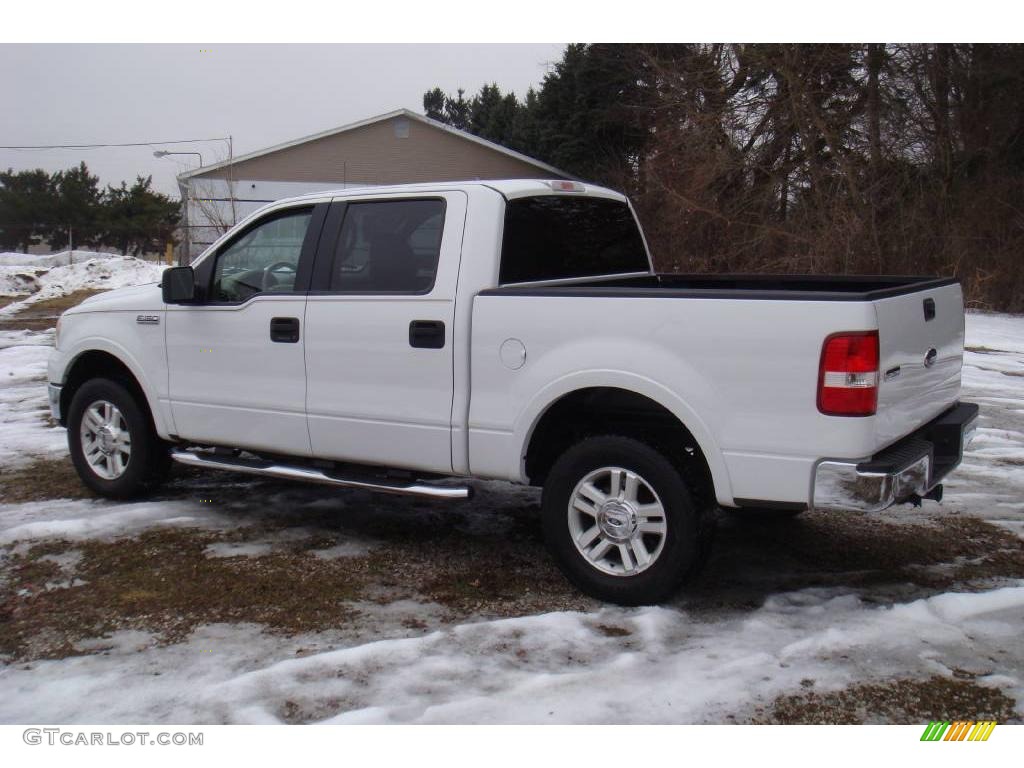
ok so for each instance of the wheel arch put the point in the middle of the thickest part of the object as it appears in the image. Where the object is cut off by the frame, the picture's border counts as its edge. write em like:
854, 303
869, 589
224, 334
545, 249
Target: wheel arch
100, 363
635, 407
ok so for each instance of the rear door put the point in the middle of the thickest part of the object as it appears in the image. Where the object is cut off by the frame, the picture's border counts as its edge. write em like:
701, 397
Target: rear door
921, 342
380, 331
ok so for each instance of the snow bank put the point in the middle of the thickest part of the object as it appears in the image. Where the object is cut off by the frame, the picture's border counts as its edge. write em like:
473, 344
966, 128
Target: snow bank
49, 260
93, 274
18, 281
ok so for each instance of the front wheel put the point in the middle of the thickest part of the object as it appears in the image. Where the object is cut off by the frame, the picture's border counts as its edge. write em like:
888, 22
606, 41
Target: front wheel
620, 520
113, 445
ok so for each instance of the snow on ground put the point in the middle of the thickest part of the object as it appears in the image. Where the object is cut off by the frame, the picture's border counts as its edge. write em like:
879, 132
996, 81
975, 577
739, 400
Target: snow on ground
990, 481
25, 429
60, 274
664, 664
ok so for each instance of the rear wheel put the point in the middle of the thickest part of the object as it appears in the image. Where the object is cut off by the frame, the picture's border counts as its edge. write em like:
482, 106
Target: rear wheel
621, 522
113, 445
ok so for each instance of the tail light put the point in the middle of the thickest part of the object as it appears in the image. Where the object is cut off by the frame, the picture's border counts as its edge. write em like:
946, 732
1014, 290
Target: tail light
848, 374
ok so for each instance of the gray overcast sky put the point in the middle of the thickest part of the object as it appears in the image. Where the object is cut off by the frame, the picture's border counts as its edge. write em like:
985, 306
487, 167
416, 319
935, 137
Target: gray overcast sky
260, 94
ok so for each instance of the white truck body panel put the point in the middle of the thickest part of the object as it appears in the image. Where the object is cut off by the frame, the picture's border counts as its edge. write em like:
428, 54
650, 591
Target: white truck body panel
228, 385
744, 395
919, 392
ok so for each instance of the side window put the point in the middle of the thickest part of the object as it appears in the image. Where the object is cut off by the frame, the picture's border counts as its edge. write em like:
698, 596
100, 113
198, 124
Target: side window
265, 259
388, 246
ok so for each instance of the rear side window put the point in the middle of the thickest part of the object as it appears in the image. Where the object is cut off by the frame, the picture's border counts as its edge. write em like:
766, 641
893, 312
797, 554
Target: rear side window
552, 237
388, 246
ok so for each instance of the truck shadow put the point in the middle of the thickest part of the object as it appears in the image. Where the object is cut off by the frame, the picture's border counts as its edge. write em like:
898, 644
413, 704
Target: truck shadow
884, 559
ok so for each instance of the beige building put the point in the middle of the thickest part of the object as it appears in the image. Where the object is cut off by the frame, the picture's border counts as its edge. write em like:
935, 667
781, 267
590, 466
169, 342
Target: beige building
395, 148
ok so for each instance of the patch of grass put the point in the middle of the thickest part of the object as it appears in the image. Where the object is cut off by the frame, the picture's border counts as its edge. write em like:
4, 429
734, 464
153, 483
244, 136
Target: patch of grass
610, 631
163, 582
42, 480
43, 315
470, 575
909, 702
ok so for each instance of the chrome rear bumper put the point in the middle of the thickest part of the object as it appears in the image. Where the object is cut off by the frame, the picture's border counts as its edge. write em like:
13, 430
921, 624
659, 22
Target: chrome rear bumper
906, 471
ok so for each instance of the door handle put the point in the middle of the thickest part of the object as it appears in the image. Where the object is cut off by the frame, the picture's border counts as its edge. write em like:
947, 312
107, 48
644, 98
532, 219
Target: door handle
426, 334
284, 329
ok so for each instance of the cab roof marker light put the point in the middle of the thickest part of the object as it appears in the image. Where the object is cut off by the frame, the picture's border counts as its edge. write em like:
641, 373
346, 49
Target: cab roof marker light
560, 185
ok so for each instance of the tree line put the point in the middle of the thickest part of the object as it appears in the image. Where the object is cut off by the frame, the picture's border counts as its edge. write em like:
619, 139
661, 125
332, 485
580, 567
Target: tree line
70, 208
849, 158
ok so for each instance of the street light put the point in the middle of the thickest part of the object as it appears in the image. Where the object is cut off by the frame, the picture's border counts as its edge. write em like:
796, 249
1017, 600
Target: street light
185, 197
165, 153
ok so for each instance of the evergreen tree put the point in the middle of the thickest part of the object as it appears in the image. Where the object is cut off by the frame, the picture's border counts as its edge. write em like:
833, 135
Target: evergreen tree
136, 219
456, 111
77, 212
433, 104
27, 203
492, 114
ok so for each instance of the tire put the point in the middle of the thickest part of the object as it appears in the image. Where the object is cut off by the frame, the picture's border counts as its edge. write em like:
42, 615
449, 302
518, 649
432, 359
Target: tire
111, 468
609, 530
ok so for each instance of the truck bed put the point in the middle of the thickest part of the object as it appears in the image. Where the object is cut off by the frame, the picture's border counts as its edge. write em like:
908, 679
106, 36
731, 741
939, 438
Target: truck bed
709, 286
744, 370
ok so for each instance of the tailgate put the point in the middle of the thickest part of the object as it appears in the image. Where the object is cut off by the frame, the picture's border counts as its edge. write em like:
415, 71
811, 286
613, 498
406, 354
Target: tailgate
921, 342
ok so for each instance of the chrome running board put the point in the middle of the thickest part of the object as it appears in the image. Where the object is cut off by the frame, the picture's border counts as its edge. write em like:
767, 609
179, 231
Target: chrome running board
312, 475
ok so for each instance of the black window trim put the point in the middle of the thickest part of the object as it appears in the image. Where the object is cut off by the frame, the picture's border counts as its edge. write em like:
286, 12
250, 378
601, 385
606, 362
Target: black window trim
206, 269
326, 254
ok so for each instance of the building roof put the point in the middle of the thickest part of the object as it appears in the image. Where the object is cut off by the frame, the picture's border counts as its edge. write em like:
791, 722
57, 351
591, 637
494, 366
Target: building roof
407, 113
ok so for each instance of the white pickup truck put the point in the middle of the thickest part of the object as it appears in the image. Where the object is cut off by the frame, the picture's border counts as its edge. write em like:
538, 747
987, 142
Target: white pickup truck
393, 337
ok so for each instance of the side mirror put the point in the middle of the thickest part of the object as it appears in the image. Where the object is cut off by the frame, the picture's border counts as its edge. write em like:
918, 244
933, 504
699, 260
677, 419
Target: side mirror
179, 285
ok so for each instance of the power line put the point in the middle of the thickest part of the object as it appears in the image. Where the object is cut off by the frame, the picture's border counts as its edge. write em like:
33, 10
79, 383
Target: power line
126, 144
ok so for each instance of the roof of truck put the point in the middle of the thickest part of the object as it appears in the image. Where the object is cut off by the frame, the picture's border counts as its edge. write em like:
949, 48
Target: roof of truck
509, 188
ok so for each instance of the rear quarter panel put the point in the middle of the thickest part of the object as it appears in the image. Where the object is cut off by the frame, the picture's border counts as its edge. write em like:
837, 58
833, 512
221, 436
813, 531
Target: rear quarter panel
740, 374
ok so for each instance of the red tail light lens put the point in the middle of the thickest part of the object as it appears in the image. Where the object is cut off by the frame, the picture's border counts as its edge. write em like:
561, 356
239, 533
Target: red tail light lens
848, 374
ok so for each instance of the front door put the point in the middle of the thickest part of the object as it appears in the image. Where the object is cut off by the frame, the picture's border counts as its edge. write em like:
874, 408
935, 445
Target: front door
380, 331
236, 360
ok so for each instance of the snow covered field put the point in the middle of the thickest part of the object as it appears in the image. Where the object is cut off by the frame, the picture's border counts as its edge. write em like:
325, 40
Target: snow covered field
819, 605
